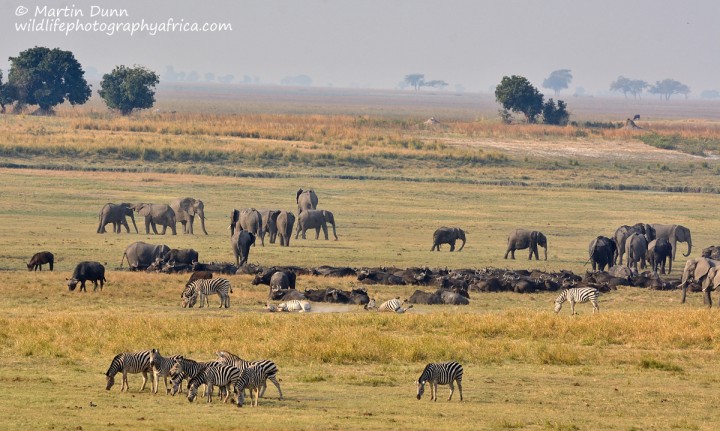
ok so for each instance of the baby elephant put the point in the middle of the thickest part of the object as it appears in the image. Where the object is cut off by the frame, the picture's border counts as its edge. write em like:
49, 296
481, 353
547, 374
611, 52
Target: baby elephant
40, 259
520, 239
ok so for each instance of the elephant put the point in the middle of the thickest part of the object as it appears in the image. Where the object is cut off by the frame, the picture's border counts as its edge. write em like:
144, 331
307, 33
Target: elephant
269, 218
674, 233
248, 219
285, 222
659, 250
115, 214
185, 211
241, 242
140, 255
315, 219
306, 200
157, 214
448, 235
636, 246
623, 232
520, 239
602, 252
704, 271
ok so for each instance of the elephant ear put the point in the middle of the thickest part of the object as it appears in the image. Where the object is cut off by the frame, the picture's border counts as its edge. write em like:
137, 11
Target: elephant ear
274, 215
534, 236
144, 210
297, 196
234, 215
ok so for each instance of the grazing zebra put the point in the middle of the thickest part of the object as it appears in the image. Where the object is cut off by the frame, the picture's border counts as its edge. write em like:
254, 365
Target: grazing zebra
160, 368
294, 305
186, 369
444, 373
393, 305
204, 288
268, 367
138, 362
252, 378
223, 376
578, 294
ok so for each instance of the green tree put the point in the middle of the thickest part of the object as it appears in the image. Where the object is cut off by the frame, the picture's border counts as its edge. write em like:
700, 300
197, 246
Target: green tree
46, 77
516, 94
626, 85
668, 87
128, 88
556, 115
558, 80
415, 80
4, 94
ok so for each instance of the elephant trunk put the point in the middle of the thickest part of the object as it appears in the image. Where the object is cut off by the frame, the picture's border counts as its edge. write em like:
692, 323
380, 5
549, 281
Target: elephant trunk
463, 244
201, 214
132, 217
545, 251
689, 242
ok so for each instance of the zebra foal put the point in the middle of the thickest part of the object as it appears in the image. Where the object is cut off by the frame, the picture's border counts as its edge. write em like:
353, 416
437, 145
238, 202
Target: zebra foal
161, 366
578, 294
127, 362
203, 288
444, 373
252, 378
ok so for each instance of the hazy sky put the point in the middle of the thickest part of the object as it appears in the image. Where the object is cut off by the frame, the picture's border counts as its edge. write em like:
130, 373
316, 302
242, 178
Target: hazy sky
375, 43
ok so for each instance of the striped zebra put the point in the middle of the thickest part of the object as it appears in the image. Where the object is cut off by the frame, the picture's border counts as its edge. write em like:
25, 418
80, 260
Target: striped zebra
393, 305
160, 366
252, 378
186, 369
204, 288
137, 362
223, 376
444, 373
578, 294
294, 305
268, 367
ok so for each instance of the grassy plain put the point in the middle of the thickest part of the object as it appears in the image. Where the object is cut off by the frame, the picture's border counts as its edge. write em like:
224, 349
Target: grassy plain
645, 362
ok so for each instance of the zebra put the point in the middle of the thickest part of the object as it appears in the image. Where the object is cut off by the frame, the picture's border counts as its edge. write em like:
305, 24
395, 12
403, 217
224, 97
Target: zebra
444, 373
203, 288
127, 362
268, 367
578, 294
160, 366
271, 308
393, 305
294, 305
223, 376
252, 378
186, 369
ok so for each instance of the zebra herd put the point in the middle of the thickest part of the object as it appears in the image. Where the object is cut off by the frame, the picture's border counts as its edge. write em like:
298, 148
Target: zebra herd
227, 372
230, 372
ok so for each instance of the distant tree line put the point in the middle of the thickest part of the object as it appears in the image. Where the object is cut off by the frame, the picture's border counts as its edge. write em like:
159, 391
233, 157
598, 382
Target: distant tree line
417, 80
665, 88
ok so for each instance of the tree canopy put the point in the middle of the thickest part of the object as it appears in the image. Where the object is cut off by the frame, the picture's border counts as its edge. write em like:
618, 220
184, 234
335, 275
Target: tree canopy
4, 94
44, 77
626, 85
558, 80
668, 87
556, 115
128, 88
415, 80
516, 94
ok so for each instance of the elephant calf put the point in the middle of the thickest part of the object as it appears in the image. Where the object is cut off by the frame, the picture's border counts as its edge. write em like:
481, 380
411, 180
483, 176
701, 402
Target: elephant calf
448, 235
520, 239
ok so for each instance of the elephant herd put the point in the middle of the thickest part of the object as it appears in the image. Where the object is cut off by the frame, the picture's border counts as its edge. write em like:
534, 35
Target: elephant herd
182, 210
639, 245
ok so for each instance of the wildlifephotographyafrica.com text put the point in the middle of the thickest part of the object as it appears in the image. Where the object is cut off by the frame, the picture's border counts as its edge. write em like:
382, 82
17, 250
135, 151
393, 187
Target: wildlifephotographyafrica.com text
98, 19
